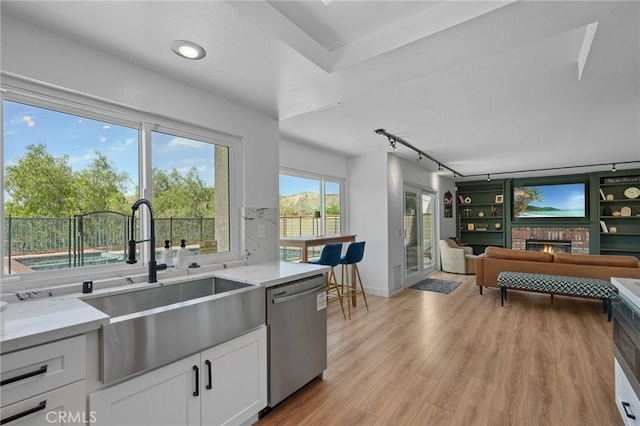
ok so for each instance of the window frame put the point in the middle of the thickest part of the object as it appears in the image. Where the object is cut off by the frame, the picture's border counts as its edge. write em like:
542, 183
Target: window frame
322, 179
69, 102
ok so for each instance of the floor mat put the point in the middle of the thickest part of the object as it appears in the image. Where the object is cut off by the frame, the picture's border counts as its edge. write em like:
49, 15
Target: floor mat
439, 286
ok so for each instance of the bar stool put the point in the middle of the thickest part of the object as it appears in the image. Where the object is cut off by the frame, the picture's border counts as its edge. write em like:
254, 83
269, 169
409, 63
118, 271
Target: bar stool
330, 256
355, 253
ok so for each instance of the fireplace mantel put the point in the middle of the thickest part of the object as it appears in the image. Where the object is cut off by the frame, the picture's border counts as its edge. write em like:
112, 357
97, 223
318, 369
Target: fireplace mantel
578, 235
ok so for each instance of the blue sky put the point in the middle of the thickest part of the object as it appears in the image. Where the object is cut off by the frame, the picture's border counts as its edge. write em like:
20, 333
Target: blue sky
79, 138
290, 185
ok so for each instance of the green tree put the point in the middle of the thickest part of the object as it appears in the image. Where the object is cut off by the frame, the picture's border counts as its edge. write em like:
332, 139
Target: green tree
523, 197
100, 187
40, 185
180, 195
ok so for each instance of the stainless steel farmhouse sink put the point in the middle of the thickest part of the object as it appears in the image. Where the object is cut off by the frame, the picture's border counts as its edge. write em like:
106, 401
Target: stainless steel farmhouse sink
158, 325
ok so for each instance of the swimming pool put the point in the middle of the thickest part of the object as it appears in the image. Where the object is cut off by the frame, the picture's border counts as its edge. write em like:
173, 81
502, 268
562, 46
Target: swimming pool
61, 261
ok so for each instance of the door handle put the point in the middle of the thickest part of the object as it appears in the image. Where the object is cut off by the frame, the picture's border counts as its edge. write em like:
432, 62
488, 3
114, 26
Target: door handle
208, 364
196, 392
35, 409
625, 405
299, 295
41, 370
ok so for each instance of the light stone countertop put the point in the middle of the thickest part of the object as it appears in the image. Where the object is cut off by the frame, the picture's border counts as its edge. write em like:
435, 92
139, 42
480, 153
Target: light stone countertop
629, 288
269, 274
37, 321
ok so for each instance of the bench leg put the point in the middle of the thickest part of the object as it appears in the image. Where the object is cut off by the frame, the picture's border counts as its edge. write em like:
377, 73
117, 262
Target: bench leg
503, 295
480, 290
608, 309
604, 304
552, 298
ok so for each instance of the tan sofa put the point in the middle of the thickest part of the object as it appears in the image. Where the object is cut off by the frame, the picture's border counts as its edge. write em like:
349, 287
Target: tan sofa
495, 260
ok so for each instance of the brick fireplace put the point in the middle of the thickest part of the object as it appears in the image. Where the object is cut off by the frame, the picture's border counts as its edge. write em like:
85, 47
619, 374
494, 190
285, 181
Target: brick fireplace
578, 235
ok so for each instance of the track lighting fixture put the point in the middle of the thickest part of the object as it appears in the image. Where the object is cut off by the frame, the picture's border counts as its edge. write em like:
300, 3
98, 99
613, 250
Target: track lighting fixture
393, 140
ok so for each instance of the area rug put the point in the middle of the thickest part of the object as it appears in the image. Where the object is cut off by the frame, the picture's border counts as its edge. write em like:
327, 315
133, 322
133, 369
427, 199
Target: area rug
439, 286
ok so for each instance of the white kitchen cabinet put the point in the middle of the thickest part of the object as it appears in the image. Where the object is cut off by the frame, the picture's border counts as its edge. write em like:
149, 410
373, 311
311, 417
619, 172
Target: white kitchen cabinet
61, 406
226, 384
236, 389
161, 397
626, 399
45, 384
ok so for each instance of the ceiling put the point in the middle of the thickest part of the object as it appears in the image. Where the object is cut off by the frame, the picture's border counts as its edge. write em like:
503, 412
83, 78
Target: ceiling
483, 87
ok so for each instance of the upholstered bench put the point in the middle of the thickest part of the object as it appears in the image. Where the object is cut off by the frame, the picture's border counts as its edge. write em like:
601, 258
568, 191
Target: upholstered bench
557, 284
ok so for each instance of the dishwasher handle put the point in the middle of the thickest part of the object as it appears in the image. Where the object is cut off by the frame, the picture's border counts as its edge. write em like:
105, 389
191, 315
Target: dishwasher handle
298, 295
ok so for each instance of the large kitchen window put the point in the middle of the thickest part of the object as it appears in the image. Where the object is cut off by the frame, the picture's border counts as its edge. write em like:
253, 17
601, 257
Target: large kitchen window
310, 205
70, 176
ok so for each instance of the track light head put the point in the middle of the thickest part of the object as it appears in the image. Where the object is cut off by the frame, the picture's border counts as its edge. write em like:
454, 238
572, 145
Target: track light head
439, 167
613, 167
379, 131
488, 178
419, 156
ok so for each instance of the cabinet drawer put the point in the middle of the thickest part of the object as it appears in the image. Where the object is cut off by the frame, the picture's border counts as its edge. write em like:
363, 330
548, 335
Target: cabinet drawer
626, 399
61, 406
32, 371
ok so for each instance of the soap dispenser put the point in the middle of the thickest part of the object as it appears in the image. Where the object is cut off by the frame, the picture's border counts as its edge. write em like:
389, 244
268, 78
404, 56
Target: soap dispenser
183, 256
167, 253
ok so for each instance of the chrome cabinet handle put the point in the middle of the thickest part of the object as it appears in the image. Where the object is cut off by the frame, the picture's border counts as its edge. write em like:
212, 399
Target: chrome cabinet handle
208, 364
41, 370
630, 415
39, 407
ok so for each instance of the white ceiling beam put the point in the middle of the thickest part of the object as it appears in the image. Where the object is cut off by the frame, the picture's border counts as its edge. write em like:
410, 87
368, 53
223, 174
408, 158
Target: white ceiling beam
589, 34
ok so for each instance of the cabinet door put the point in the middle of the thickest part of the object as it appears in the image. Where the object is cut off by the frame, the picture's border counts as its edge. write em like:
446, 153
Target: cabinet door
162, 397
234, 379
62, 406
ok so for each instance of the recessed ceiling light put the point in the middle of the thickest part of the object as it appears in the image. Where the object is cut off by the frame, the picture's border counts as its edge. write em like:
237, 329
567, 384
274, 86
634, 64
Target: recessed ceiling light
188, 49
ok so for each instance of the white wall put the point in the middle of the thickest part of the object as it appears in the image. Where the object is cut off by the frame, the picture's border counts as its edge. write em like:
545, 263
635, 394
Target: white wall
297, 156
369, 218
33, 53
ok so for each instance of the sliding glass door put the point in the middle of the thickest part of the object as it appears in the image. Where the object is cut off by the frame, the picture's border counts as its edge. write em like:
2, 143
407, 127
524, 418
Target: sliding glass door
419, 232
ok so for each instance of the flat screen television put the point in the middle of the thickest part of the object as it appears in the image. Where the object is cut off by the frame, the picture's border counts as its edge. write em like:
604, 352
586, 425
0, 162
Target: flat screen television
566, 200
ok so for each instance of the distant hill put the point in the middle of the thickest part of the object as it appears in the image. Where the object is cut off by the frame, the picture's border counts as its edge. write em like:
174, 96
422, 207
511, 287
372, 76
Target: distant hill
306, 203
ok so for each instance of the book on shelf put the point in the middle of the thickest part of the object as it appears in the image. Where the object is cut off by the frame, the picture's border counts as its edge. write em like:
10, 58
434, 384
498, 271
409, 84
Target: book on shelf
602, 197
604, 226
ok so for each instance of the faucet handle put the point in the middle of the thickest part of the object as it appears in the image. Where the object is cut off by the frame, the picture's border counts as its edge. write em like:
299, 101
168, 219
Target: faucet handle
132, 252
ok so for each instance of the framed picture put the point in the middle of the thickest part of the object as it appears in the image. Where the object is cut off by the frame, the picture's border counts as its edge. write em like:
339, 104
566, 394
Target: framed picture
471, 227
499, 198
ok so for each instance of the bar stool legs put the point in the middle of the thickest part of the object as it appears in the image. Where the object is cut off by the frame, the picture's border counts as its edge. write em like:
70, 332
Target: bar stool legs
352, 290
332, 285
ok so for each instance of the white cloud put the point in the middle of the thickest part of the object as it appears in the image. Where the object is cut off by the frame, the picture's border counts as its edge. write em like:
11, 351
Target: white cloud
179, 142
123, 145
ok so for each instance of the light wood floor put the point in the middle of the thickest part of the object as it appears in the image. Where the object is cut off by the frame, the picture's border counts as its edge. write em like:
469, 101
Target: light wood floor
424, 358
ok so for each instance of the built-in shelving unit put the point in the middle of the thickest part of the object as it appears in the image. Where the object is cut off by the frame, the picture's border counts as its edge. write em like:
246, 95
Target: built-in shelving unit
481, 213
619, 213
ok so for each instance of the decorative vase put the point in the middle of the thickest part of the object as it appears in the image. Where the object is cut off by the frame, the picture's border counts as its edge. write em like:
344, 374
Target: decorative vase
606, 211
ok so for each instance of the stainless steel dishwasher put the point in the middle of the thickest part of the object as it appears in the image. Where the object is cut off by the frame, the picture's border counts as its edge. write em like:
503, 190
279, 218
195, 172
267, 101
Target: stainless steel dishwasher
297, 335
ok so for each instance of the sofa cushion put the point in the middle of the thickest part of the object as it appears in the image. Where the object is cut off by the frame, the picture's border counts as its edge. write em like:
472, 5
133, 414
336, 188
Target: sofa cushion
524, 255
597, 260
